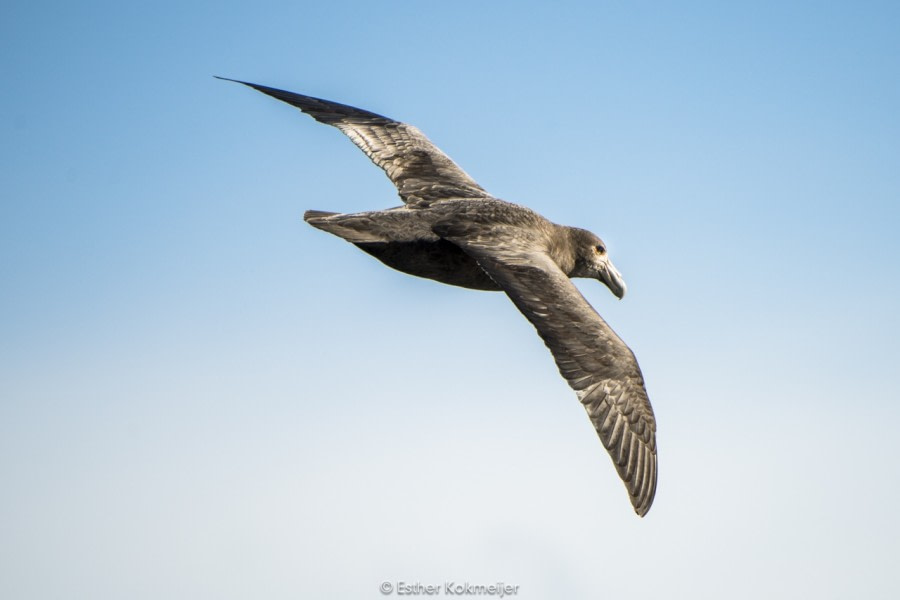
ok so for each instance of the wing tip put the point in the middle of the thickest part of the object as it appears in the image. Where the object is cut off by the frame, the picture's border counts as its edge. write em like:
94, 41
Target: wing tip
641, 509
230, 79
259, 88
642, 505
323, 111
643, 498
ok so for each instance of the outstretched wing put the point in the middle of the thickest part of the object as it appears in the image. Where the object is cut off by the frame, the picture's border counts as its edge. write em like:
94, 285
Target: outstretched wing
591, 357
422, 173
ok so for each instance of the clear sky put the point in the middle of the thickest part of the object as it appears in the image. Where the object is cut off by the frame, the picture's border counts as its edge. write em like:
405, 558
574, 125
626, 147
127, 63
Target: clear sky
203, 397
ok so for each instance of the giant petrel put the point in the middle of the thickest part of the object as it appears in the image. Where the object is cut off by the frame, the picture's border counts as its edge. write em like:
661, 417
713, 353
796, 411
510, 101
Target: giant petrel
451, 230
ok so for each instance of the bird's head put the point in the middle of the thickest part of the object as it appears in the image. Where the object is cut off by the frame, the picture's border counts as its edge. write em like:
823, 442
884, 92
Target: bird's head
592, 260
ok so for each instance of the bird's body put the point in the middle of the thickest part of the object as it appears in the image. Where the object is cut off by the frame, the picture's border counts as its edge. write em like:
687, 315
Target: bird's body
452, 231
404, 238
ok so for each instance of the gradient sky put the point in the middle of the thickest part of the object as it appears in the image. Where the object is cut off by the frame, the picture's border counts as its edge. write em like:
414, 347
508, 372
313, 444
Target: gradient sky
203, 397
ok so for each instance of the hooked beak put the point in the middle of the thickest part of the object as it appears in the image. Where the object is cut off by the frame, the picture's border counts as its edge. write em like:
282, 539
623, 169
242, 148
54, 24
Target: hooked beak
608, 274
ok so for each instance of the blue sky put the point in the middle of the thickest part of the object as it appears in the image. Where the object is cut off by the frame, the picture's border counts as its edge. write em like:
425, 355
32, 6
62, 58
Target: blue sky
201, 396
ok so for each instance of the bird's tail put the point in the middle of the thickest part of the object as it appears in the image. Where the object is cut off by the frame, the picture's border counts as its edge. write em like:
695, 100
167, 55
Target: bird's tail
311, 216
356, 228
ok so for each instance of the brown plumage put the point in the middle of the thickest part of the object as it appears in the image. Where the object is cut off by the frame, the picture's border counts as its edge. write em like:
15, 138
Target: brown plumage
451, 230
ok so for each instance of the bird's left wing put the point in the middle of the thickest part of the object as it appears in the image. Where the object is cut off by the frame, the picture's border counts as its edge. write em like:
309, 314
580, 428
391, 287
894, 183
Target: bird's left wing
420, 171
591, 357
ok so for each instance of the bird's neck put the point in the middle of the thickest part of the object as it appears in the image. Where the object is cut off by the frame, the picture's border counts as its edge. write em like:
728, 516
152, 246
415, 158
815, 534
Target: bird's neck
562, 249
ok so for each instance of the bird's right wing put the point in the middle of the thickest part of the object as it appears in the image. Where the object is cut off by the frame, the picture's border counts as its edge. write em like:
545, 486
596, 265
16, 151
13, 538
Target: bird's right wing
420, 171
591, 357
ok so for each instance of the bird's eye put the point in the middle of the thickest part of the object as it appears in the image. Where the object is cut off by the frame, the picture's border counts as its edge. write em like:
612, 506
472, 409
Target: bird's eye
600, 249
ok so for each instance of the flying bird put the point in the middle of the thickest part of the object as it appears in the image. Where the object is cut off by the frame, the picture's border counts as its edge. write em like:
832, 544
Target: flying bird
451, 230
